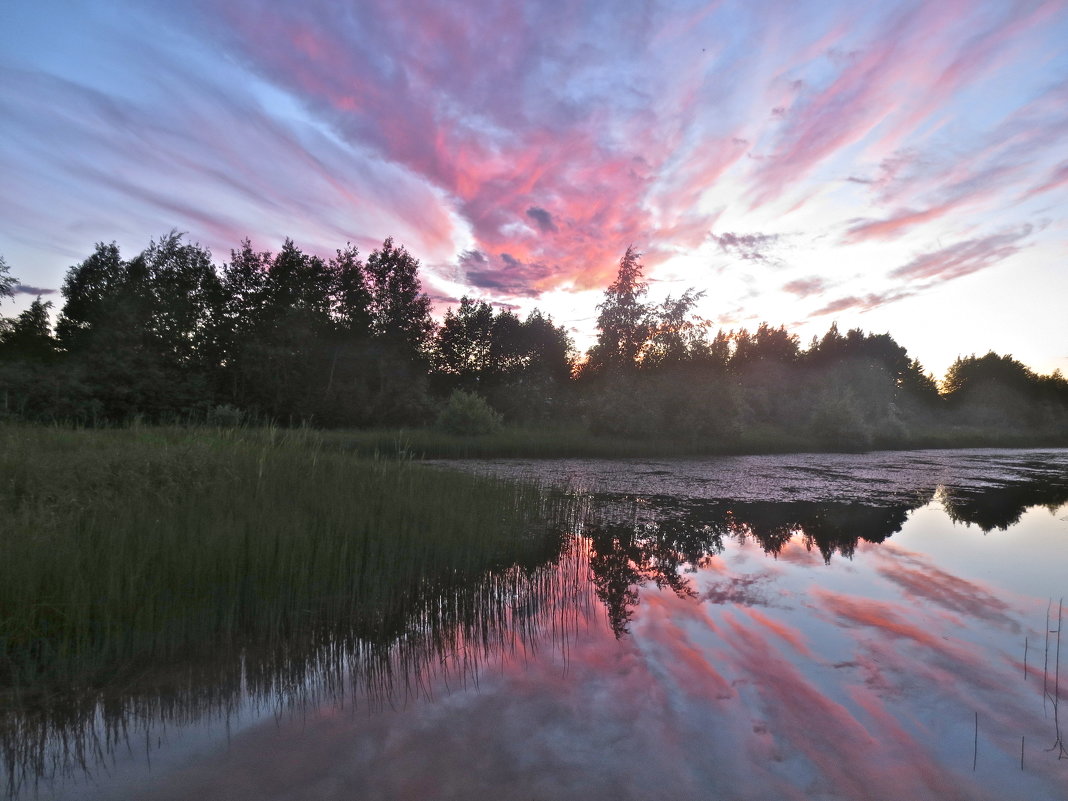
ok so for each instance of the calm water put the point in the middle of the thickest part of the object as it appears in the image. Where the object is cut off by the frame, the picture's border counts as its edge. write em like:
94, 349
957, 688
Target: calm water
809, 627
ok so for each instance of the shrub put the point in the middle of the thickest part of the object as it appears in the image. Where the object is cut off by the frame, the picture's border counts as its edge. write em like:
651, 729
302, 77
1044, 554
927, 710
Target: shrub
468, 414
838, 424
225, 416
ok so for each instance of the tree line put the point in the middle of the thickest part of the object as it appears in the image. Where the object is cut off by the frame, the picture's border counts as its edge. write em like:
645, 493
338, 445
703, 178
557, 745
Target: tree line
346, 341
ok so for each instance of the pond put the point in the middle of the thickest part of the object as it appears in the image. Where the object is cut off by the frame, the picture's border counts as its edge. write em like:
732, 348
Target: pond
880, 626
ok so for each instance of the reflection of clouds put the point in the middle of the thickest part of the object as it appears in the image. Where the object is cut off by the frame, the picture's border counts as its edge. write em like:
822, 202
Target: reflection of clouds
747, 589
845, 695
921, 579
789, 635
799, 552
885, 617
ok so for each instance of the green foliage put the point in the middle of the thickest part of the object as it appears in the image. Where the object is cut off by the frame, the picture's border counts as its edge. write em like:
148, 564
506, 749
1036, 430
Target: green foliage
521, 367
468, 414
702, 408
123, 547
293, 338
838, 423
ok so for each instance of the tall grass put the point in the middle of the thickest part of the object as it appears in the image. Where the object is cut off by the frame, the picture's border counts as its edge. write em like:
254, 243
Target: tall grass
124, 548
551, 443
574, 441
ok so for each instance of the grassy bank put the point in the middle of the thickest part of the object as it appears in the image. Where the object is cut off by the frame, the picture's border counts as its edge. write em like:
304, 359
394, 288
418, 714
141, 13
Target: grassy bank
122, 548
577, 442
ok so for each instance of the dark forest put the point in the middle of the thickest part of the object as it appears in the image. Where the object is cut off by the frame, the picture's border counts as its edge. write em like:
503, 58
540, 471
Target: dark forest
349, 342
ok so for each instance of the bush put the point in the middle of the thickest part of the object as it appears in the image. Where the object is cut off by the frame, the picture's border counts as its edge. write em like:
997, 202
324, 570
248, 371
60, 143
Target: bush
225, 416
468, 414
838, 424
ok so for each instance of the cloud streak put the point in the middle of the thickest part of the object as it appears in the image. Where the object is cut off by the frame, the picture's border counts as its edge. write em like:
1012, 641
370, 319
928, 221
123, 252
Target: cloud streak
24, 289
748, 247
964, 258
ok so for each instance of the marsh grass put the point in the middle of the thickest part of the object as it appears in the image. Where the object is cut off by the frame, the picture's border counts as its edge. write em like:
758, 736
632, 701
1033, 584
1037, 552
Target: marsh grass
121, 549
452, 630
575, 441
548, 443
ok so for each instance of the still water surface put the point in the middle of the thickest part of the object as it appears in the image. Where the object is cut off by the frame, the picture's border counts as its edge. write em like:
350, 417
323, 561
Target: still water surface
811, 627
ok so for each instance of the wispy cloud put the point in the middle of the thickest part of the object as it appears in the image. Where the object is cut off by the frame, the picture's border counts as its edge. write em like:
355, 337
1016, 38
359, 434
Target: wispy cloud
862, 303
804, 287
964, 258
749, 247
897, 223
24, 289
547, 139
1057, 178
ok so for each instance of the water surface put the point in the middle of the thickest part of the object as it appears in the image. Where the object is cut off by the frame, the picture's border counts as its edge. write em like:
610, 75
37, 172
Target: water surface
808, 626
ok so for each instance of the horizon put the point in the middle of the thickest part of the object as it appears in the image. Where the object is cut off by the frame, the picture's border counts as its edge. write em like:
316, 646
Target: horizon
895, 170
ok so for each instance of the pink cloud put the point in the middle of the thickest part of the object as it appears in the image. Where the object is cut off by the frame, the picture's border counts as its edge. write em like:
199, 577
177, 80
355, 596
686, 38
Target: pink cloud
862, 302
1057, 178
789, 635
804, 287
964, 258
898, 223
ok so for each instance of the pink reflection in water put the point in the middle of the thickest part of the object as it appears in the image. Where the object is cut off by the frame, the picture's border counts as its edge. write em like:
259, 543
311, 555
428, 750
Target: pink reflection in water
861, 680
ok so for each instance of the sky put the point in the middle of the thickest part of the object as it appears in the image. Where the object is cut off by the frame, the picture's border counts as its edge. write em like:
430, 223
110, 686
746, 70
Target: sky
898, 166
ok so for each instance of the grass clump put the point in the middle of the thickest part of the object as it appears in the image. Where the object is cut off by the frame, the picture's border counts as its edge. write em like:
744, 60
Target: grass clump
123, 548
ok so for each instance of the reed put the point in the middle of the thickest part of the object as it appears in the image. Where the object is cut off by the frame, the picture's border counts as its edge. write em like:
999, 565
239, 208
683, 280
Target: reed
127, 547
576, 441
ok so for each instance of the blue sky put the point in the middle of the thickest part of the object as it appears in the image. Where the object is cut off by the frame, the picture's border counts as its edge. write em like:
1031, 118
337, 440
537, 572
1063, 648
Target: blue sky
897, 166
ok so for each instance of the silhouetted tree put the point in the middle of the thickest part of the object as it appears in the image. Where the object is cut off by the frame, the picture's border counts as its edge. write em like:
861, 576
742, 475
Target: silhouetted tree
464, 342
29, 335
185, 303
520, 366
104, 296
677, 337
546, 349
623, 324
7, 282
400, 311
992, 391
970, 375
350, 294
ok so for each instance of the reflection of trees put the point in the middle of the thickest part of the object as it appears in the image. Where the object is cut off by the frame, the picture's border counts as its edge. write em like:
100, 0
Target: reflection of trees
829, 528
623, 557
660, 539
635, 541
1000, 507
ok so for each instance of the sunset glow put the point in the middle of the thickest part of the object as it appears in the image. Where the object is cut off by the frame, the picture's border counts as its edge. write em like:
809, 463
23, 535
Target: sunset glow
899, 167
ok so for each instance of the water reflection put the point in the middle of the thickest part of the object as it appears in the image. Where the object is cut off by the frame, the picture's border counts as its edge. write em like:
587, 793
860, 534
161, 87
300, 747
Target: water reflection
641, 539
718, 634
444, 629
1001, 507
